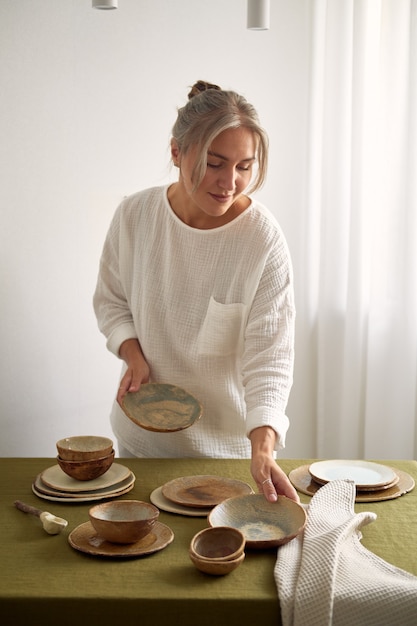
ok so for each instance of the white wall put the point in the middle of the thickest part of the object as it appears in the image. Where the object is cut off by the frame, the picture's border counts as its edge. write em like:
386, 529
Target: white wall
87, 102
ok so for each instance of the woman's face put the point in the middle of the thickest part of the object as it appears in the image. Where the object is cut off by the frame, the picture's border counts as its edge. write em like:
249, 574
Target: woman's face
230, 162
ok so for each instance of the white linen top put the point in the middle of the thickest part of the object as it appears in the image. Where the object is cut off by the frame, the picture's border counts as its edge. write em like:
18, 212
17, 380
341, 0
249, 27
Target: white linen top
213, 311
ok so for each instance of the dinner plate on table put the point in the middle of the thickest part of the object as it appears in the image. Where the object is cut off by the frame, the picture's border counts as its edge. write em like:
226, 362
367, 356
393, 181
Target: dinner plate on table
57, 479
303, 481
365, 474
162, 408
55, 495
85, 539
158, 499
203, 491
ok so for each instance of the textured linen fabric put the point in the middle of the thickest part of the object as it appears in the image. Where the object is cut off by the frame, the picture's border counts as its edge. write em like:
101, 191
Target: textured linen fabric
214, 313
326, 577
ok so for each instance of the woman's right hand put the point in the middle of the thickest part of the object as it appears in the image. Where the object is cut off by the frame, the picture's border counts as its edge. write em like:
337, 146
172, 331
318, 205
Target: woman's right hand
137, 368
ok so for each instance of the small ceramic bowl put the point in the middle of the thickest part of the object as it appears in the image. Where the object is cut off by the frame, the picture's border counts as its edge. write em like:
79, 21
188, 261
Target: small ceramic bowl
123, 521
221, 543
215, 567
84, 448
86, 470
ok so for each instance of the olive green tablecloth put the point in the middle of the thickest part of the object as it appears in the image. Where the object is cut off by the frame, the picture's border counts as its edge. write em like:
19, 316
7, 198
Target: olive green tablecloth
45, 581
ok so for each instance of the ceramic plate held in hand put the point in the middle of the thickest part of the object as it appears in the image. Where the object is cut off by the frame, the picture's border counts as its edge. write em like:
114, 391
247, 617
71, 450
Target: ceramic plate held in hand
162, 408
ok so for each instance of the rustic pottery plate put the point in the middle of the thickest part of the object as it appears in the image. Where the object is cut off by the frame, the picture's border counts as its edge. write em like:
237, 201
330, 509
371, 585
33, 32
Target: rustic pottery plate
162, 408
364, 474
264, 524
302, 480
57, 479
85, 539
48, 493
203, 491
158, 499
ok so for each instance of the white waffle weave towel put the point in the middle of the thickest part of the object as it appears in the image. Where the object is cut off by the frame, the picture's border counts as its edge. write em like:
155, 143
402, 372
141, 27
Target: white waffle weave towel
326, 577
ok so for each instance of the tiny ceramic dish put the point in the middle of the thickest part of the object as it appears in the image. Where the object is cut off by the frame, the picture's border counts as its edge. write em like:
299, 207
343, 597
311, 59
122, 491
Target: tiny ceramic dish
215, 567
220, 543
264, 524
84, 448
86, 470
123, 521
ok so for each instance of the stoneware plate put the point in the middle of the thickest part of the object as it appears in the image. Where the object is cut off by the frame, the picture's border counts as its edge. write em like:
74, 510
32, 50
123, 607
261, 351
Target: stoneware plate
264, 524
57, 479
365, 474
85, 539
203, 491
48, 493
162, 408
158, 499
304, 483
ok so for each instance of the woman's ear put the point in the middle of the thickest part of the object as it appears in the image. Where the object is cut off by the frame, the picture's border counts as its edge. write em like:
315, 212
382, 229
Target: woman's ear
175, 152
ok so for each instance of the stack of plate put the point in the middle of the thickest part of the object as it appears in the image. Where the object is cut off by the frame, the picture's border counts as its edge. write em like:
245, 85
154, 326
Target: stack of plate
374, 482
195, 496
53, 484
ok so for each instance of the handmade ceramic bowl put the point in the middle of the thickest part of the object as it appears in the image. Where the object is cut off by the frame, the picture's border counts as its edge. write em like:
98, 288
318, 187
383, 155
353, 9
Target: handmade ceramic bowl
264, 524
84, 448
86, 470
215, 567
123, 521
220, 543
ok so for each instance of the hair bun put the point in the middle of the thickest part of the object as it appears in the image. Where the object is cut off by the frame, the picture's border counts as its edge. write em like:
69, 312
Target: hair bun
200, 86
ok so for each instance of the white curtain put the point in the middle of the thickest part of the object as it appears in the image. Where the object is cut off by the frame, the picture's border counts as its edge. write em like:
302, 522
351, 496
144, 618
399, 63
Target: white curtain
359, 267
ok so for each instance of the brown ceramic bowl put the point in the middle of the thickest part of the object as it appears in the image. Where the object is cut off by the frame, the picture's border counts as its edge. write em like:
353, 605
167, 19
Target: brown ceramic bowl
214, 567
123, 521
220, 543
84, 448
86, 470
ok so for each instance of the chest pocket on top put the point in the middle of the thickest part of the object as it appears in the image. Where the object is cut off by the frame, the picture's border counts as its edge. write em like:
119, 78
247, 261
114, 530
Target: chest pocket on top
222, 330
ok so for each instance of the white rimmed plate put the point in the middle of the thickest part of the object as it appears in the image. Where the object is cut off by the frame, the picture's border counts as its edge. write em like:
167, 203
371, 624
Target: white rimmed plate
365, 474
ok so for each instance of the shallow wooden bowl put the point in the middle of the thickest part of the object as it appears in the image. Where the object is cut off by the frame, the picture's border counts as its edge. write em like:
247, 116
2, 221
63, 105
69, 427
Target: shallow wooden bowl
220, 543
84, 448
86, 470
123, 521
264, 524
215, 567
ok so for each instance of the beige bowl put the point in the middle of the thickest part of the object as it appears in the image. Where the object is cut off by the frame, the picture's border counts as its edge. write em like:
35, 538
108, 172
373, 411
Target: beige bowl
264, 524
221, 543
215, 567
86, 470
84, 448
123, 521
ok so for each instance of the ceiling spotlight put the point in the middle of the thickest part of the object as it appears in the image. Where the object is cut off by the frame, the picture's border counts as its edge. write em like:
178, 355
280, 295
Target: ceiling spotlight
105, 4
258, 14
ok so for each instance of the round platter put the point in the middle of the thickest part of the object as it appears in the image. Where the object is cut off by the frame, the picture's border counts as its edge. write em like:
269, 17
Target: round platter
85, 539
162, 408
158, 499
203, 491
57, 479
365, 474
54, 495
302, 480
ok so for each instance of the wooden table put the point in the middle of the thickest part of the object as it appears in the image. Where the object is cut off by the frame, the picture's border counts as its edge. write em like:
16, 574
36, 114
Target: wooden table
43, 580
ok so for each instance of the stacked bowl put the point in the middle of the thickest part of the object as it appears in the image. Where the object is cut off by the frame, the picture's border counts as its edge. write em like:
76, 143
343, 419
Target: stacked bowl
217, 551
85, 457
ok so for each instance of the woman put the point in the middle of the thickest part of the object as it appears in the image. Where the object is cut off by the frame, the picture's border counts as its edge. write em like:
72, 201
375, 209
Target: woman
195, 289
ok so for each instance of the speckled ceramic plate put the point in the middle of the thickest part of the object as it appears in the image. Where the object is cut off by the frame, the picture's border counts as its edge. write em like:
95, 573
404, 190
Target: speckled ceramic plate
203, 491
57, 479
85, 539
55, 495
302, 480
158, 499
365, 474
264, 524
162, 408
